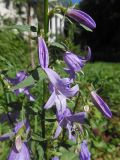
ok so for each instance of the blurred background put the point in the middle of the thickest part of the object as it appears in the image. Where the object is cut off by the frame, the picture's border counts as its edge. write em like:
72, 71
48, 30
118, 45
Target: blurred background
17, 48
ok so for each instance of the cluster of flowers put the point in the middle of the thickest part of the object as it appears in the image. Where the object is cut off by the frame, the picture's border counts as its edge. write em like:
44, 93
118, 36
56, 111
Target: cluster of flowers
61, 91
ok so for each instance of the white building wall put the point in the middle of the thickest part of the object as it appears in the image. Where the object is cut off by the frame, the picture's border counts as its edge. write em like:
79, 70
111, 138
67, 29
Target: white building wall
56, 25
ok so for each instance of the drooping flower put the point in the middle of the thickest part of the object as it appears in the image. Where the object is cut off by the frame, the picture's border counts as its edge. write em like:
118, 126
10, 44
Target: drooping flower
43, 53
100, 104
61, 90
19, 150
84, 152
75, 62
20, 76
81, 17
66, 120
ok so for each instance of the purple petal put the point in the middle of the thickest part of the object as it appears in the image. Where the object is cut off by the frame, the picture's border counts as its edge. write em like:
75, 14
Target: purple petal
55, 158
6, 136
78, 117
22, 155
53, 76
100, 104
60, 102
51, 101
29, 96
73, 61
69, 127
88, 57
20, 76
10, 116
22, 124
70, 72
76, 62
43, 53
81, 17
58, 131
84, 152
70, 92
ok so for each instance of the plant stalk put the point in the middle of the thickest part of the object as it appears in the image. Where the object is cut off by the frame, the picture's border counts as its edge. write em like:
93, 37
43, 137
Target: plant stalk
45, 17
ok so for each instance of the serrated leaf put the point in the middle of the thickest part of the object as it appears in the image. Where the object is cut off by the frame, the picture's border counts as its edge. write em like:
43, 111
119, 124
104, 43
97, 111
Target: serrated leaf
86, 28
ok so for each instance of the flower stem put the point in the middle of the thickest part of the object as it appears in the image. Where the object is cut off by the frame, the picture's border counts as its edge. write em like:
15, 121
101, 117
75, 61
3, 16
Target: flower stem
44, 84
45, 17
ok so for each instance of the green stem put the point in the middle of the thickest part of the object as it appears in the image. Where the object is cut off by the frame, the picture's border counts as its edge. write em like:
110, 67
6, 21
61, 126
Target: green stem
77, 102
46, 17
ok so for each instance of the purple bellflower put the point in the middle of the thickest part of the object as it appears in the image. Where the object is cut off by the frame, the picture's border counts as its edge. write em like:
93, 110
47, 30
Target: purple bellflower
61, 90
19, 150
100, 104
20, 76
43, 53
75, 62
81, 17
55, 158
23, 154
66, 120
84, 152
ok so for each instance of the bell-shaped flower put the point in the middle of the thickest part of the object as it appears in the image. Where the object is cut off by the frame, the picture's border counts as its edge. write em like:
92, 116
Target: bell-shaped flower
66, 120
75, 62
20, 76
81, 17
84, 152
43, 53
100, 104
22, 154
61, 90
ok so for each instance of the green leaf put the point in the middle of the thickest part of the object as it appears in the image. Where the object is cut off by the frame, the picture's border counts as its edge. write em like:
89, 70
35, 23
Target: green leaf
86, 28
58, 45
37, 74
21, 28
6, 61
69, 155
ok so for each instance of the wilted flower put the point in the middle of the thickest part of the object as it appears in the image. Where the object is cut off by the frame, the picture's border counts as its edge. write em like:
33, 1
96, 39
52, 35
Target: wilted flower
100, 104
81, 17
75, 62
66, 120
84, 152
20, 76
60, 90
43, 53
